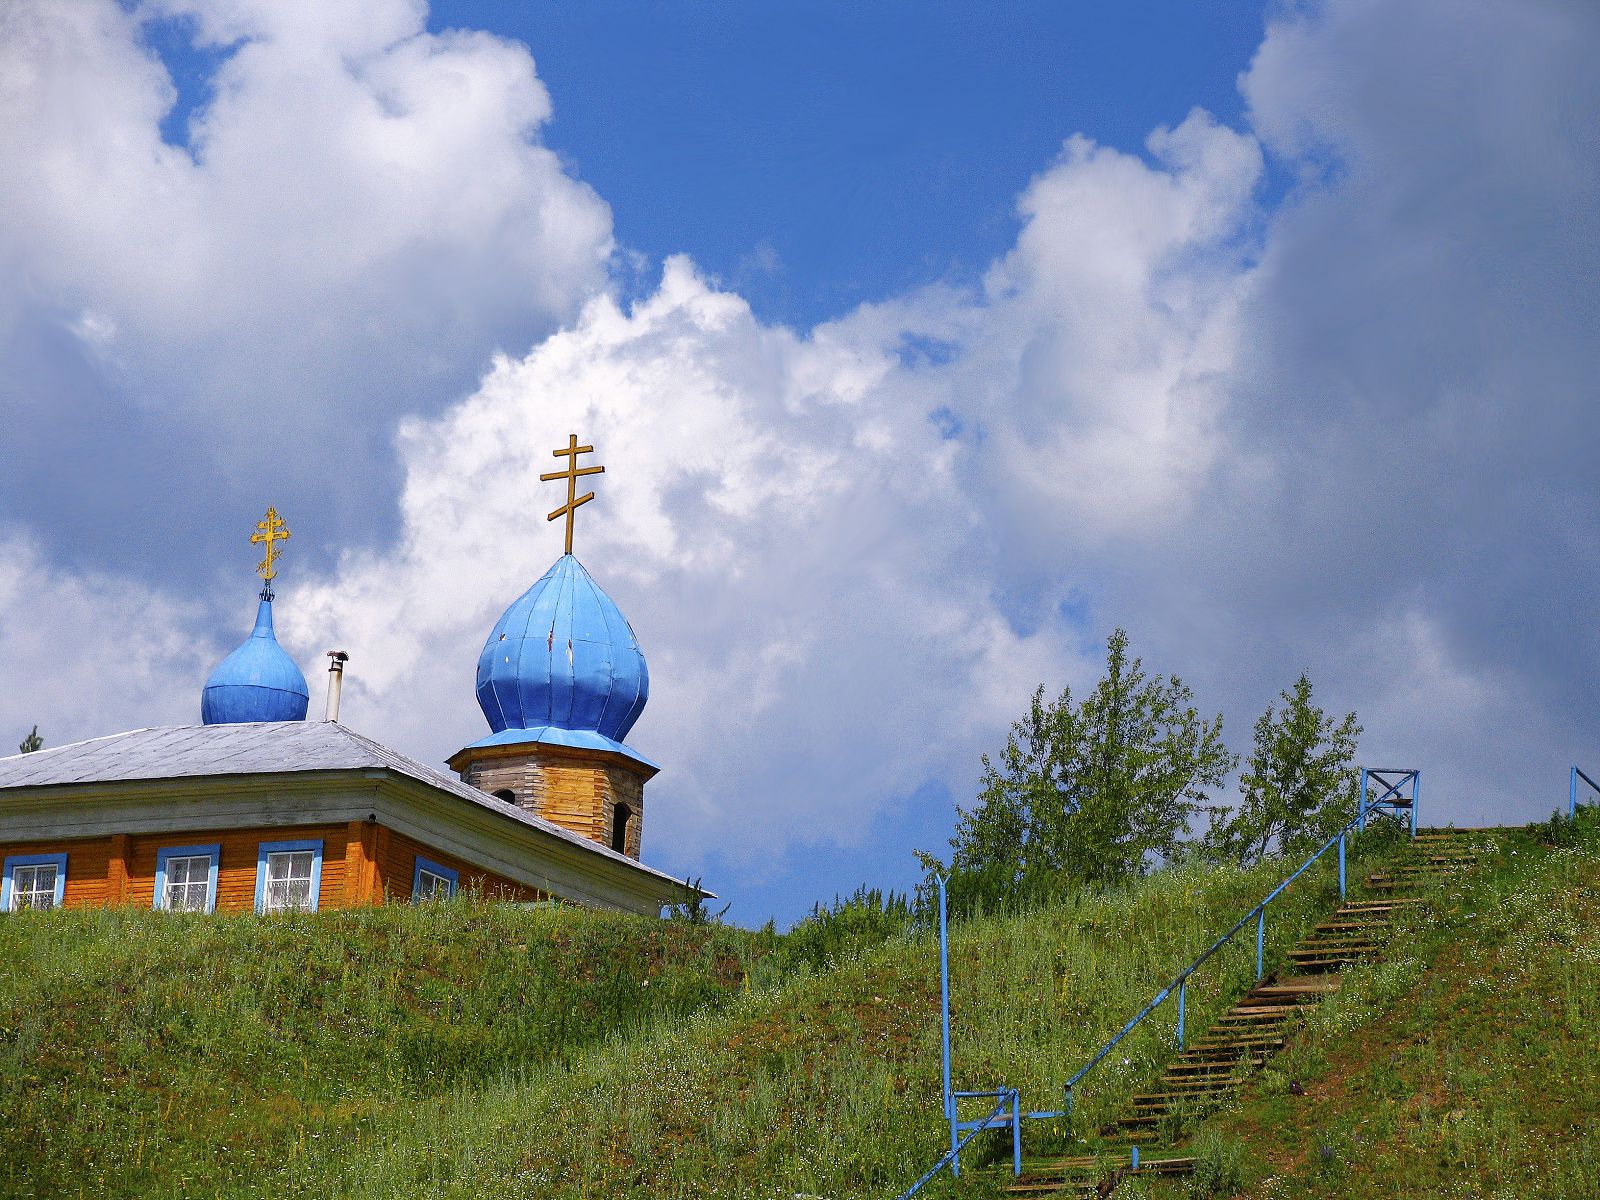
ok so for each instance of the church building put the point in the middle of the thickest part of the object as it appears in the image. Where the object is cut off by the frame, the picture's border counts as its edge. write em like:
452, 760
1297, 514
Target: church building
259, 809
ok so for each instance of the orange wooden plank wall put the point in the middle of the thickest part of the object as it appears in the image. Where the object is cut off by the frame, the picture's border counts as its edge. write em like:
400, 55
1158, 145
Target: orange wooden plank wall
362, 863
396, 861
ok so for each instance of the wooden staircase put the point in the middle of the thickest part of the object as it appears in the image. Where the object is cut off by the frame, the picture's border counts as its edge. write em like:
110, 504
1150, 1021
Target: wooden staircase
1213, 1067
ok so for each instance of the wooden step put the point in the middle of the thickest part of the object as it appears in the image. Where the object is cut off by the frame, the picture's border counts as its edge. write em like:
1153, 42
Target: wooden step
1221, 1060
1242, 1044
1187, 1089
1360, 916
1224, 1055
1227, 1056
1267, 1010
1221, 1080
1296, 987
1076, 1174
1303, 958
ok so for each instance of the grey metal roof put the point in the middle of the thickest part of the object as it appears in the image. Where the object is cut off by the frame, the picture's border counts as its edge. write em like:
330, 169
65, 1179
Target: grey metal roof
256, 748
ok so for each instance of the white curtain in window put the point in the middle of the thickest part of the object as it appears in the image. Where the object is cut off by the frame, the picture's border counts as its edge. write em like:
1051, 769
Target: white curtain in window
288, 880
188, 881
34, 886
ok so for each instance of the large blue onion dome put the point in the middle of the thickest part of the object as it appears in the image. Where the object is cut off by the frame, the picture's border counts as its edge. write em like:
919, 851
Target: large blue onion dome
257, 682
562, 666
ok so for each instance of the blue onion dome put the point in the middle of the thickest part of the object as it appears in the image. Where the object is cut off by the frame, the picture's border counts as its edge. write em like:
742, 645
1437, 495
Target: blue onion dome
562, 666
257, 682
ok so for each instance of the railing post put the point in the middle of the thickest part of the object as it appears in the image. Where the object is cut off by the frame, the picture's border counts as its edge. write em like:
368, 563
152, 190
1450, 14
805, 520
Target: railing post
1261, 941
1341, 866
1572, 796
1416, 800
1361, 811
1016, 1131
1134, 1157
1182, 988
1068, 1107
944, 1013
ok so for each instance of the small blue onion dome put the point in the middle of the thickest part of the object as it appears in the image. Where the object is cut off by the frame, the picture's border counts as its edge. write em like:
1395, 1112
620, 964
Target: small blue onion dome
257, 682
562, 666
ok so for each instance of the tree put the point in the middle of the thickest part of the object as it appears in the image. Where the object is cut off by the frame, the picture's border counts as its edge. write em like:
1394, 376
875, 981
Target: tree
32, 742
1088, 793
1299, 784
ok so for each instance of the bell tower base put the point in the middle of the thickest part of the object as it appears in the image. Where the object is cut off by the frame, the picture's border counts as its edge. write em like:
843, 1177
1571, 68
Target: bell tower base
596, 794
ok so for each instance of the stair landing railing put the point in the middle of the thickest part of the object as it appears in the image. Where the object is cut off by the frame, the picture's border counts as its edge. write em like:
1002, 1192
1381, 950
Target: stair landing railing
1383, 791
1390, 792
1572, 791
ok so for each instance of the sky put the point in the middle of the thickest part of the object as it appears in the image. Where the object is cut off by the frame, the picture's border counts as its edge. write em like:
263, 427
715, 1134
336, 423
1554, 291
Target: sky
923, 345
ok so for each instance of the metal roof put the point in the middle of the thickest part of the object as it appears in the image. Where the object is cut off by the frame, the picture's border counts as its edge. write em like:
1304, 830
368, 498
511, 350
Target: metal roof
256, 748
563, 658
257, 682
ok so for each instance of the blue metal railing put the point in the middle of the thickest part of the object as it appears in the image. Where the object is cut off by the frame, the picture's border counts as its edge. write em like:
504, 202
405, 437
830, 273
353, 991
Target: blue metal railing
1572, 792
1398, 798
1258, 914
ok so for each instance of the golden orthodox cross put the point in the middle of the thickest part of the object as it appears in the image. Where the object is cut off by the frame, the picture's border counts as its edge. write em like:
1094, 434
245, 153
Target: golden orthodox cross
571, 476
270, 529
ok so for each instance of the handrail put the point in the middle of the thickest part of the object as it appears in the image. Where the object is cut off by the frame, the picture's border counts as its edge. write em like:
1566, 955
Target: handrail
954, 1153
1572, 793
1259, 913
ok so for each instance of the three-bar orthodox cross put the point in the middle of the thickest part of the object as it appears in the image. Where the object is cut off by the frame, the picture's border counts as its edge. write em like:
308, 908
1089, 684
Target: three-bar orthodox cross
570, 453
270, 529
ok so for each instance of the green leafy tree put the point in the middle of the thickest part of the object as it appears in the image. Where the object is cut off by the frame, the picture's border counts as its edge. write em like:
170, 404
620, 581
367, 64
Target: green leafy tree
32, 742
1090, 793
1299, 783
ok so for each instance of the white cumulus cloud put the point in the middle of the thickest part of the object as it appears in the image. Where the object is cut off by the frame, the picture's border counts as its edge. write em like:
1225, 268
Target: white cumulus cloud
1314, 393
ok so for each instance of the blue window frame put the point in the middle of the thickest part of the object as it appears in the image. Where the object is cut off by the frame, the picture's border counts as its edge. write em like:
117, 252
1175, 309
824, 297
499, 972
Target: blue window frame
288, 876
431, 881
33, 881
186, 878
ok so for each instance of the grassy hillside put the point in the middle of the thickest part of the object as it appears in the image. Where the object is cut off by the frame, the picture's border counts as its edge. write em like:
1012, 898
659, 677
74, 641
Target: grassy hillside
1465, 1065
469, 1048
147, 1052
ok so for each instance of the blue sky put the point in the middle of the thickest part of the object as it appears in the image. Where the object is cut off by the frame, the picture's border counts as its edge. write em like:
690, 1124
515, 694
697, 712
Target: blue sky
924, 345
815, 156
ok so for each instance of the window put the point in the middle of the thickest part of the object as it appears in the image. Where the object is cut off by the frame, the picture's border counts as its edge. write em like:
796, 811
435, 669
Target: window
288, 876
430, 881
186, 878
620, 816
33, 881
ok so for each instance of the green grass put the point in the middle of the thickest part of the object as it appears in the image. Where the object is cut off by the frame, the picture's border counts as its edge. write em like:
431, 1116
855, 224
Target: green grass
470, 1048
145, 1052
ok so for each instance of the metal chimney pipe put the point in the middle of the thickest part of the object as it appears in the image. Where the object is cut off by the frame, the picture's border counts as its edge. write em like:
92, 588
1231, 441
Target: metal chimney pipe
336, 662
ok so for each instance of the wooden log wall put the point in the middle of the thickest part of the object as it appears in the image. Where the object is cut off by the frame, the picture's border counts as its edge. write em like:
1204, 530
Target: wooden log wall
362, 863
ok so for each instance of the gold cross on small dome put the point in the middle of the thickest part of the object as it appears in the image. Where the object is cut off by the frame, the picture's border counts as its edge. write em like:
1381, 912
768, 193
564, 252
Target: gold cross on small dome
570, 453
270, 529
